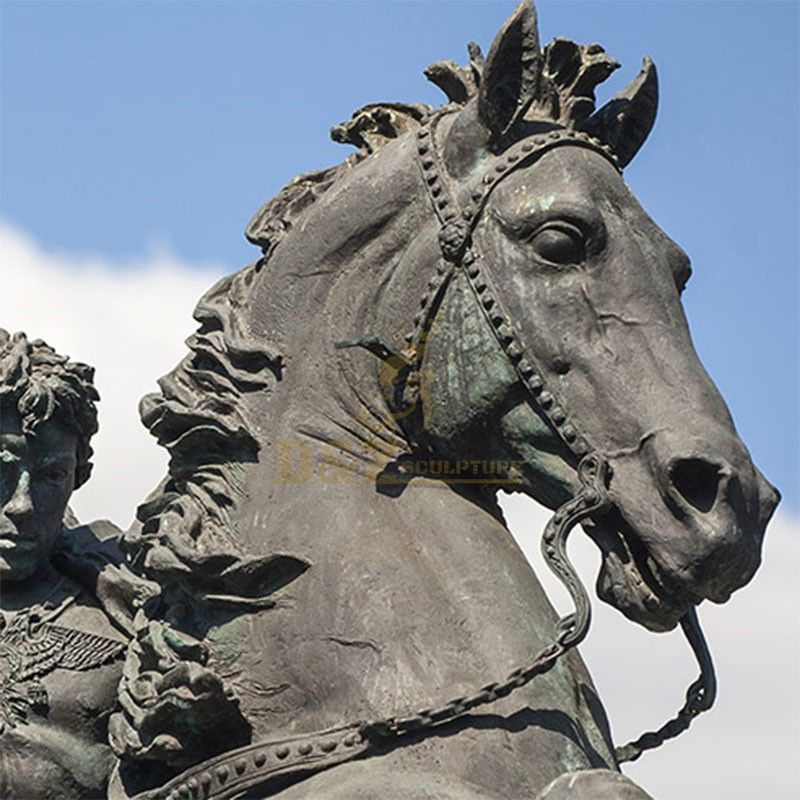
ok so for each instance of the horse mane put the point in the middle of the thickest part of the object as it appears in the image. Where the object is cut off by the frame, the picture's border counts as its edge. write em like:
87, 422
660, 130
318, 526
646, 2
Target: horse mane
185, 529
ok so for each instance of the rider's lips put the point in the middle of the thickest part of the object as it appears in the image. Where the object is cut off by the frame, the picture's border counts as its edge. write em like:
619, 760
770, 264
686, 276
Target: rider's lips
10, 540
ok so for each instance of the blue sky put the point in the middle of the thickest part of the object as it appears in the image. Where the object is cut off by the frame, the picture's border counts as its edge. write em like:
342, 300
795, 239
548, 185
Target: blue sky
127, 125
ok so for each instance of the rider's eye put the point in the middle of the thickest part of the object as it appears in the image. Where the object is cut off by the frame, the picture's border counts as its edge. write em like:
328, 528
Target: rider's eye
559, 243
53, 474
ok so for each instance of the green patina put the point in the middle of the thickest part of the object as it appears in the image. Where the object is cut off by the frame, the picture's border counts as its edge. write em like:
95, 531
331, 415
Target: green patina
546, 201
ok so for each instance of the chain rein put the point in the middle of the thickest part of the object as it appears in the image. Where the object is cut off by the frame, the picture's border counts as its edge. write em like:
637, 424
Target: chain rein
700, 696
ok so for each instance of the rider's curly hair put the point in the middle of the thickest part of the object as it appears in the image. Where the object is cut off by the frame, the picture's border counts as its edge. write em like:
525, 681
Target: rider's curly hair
40, 385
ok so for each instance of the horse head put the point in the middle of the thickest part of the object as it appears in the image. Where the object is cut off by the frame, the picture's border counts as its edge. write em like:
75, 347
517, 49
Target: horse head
527, 319
552, 327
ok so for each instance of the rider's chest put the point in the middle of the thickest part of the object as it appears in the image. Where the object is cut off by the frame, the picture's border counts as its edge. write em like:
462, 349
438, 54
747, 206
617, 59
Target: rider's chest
58, 666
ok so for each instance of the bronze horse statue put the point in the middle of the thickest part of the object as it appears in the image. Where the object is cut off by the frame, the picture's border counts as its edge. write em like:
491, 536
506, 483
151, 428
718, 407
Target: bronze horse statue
473, 301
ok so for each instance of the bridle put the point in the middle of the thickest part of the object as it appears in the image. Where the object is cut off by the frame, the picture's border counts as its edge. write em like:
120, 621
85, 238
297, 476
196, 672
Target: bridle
457, 219
237, 771
460, 251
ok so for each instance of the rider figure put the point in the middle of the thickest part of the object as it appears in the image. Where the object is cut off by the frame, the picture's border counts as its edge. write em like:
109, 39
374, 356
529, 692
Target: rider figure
66, 598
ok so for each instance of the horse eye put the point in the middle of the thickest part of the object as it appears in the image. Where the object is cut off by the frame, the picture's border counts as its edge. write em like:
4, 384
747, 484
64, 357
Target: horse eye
559, 244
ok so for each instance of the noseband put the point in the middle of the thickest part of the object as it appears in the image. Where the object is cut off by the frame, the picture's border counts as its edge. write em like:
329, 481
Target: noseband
236, 771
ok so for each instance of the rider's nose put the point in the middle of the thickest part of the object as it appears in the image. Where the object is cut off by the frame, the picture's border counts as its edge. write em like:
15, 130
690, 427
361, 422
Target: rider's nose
20, 503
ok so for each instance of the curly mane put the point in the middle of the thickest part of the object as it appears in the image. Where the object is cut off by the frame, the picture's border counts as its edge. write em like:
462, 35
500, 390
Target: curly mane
185, 527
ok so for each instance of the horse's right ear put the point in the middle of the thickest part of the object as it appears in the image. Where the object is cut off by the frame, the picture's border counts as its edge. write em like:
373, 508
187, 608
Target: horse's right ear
626, 120
511, 72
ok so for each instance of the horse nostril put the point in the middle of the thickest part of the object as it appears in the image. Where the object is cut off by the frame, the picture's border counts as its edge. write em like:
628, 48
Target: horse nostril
697, 481
562, 366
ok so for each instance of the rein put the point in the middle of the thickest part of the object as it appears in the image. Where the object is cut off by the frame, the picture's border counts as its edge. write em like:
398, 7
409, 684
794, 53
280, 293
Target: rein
235, 772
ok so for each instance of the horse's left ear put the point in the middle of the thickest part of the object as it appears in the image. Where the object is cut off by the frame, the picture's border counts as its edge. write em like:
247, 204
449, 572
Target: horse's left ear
511, 73
626, 120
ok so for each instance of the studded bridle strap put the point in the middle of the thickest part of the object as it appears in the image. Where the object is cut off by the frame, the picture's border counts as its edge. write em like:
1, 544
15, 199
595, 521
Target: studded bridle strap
459, 249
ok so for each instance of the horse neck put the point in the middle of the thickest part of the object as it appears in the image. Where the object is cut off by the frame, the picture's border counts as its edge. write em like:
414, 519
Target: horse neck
356, 266
391, 578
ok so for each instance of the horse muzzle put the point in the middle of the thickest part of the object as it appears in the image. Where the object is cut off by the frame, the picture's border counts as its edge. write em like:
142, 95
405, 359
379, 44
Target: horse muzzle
688, 525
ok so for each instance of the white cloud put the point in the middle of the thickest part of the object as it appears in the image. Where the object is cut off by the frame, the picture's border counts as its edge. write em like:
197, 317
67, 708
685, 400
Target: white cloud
746, 747
130, 320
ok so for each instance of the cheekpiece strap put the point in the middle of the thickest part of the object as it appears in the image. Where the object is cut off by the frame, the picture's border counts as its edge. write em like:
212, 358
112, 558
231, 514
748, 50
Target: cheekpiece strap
459, 249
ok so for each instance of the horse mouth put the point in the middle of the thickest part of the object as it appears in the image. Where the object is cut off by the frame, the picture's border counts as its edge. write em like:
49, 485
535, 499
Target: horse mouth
631, 580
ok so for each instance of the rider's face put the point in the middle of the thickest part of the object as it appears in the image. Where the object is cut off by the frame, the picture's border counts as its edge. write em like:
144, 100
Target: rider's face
37, 475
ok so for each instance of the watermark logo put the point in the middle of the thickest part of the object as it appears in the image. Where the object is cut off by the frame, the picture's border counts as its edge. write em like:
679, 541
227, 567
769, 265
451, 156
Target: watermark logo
299, 462
407, 389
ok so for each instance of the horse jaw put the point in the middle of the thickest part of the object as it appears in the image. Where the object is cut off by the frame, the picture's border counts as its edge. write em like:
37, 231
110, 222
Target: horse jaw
630, 580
